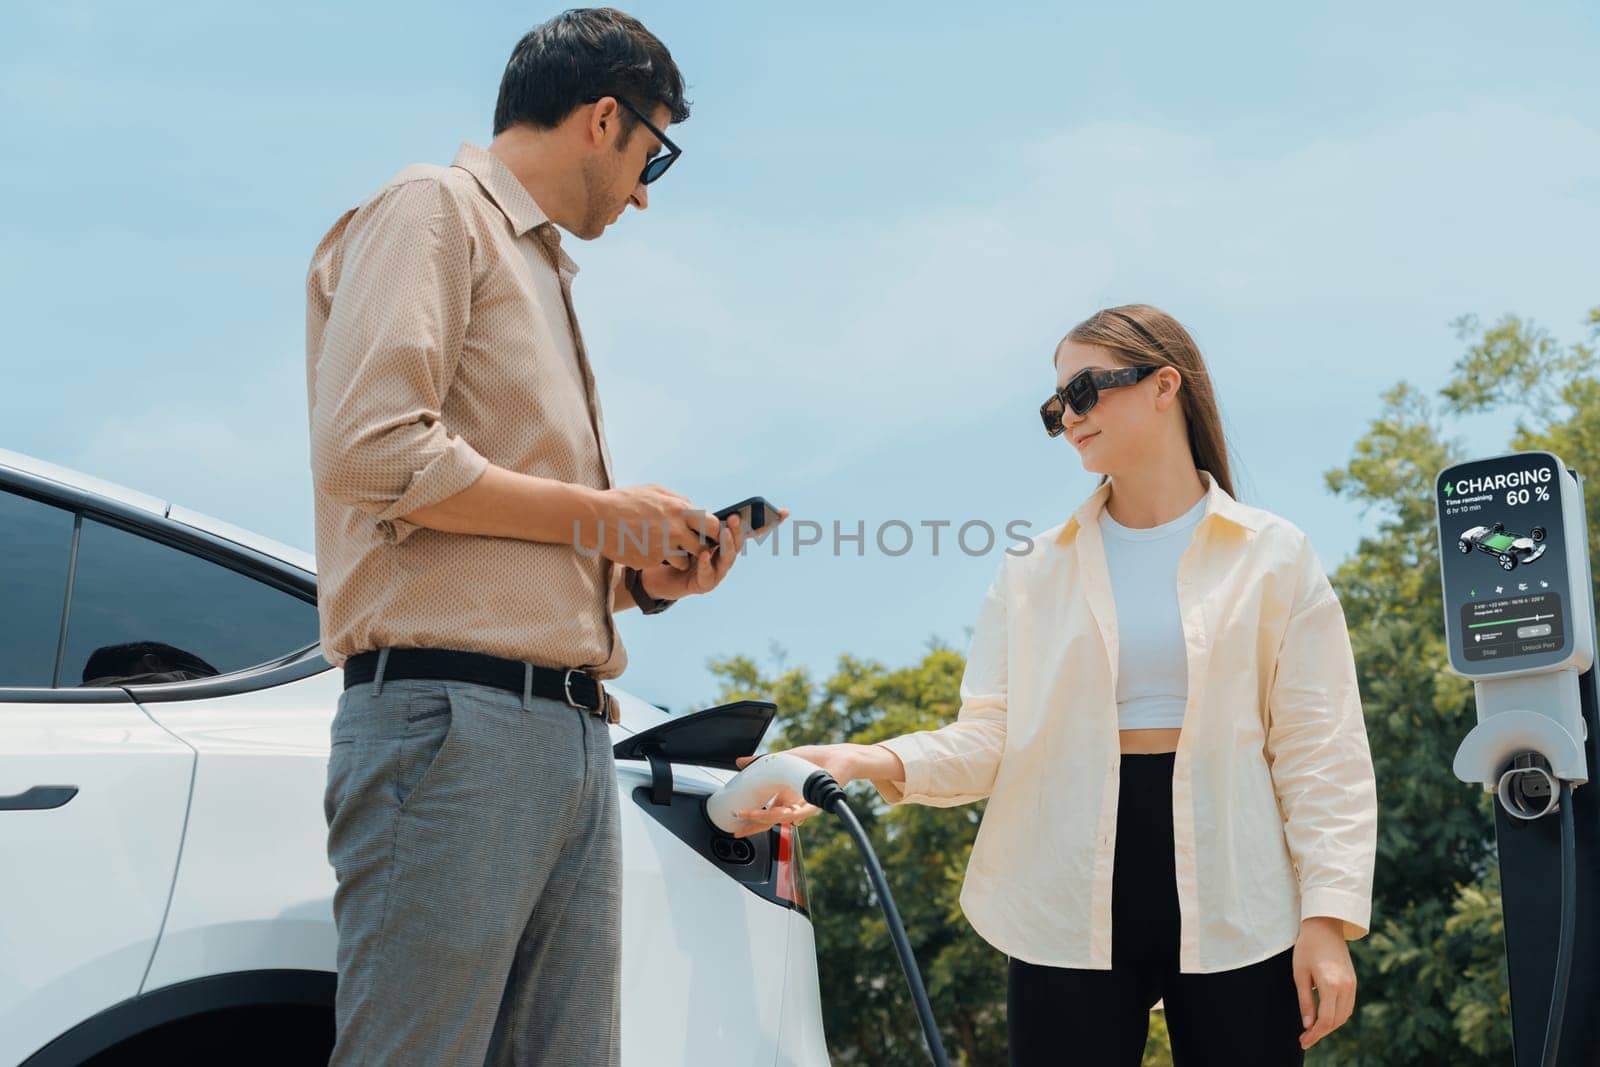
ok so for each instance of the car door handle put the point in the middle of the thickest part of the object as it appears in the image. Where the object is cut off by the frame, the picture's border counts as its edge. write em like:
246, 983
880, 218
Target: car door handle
39, 798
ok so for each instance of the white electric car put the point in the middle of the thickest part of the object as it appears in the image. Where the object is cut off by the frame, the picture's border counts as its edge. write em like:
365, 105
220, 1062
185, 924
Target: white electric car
165, 894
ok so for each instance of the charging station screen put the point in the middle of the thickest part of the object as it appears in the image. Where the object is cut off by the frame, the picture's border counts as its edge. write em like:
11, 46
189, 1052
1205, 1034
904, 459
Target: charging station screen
1504, 559
1514, 626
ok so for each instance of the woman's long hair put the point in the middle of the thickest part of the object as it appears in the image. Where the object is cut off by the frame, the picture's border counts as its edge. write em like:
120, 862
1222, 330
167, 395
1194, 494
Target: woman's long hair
1143, 336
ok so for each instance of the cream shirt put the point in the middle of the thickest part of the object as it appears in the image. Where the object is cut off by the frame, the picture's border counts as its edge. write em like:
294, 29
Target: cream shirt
1274, 800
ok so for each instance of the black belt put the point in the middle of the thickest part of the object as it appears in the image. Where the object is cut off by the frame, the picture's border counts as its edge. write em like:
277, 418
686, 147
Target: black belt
572, 685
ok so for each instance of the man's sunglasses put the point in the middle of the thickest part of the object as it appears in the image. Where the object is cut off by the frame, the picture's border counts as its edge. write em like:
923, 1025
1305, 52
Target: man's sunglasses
1082, 391
656, 166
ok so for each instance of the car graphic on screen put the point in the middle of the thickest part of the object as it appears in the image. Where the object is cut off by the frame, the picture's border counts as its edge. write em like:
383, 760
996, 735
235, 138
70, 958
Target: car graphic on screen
1508, 549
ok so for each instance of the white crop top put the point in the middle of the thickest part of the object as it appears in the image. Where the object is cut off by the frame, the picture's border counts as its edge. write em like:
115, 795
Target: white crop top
1152, 661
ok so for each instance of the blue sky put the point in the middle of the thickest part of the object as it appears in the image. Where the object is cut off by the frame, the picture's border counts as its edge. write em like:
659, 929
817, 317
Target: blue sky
845, 295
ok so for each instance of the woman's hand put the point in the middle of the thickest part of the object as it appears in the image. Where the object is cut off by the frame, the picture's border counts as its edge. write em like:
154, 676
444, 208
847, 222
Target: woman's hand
1322, 959
789, 806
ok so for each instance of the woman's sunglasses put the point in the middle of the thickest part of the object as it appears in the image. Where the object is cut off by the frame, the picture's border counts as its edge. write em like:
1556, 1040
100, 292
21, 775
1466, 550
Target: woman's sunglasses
1082, 392
656, 166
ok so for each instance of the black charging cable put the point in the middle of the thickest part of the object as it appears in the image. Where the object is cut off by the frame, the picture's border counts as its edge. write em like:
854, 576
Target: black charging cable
1569, 918
827, 794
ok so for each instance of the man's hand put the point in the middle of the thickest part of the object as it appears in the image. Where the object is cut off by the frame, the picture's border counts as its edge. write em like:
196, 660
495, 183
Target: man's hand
642, 525
1322, 960
666, 582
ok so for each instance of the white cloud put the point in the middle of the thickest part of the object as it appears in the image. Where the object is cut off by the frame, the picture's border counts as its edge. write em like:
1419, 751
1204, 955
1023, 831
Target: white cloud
1334, 256
241, 454
731, 345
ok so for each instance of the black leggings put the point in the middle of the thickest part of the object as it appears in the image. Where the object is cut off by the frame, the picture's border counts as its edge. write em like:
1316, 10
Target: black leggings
1063, 1015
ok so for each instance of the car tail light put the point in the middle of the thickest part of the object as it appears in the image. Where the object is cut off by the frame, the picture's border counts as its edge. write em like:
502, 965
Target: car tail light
790, 870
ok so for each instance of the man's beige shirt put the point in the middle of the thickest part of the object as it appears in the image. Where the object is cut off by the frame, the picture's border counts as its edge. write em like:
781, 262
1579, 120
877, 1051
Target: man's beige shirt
440, 338
1273, 798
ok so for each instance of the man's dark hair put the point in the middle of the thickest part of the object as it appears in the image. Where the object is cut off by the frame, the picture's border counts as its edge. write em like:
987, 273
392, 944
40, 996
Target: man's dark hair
583, 53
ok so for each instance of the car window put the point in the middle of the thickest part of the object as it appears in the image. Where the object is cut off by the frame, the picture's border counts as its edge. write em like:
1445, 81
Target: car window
146, 612
35, 547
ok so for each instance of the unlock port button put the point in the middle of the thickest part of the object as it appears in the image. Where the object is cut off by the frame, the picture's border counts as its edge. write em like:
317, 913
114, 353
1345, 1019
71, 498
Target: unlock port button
1541, 630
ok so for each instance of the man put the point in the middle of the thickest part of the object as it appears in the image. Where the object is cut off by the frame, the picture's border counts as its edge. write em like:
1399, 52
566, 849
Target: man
471, 550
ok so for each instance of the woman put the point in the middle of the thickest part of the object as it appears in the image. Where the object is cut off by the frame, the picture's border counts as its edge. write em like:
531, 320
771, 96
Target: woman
1160, 704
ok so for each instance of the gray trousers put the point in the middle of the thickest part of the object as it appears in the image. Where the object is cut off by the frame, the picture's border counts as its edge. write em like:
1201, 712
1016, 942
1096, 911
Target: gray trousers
474, 833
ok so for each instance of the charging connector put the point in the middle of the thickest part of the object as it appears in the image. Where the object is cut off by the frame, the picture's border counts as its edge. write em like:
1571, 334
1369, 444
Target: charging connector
1529, 790
758, 783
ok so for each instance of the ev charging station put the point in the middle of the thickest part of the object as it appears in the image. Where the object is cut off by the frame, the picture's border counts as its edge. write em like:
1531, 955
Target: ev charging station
1519, 621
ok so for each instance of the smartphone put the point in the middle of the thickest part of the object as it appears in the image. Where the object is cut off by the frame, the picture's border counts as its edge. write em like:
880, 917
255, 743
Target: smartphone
754, 513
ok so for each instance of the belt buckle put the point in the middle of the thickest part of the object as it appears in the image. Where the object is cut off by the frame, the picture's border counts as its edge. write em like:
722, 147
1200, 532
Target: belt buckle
566, 686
